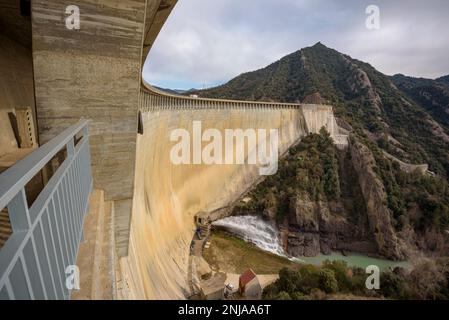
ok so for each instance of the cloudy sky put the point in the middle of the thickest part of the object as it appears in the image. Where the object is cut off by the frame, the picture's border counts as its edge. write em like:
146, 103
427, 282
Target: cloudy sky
208, 42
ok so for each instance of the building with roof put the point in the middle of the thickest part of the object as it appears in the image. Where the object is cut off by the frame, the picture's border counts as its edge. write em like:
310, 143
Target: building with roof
249, 285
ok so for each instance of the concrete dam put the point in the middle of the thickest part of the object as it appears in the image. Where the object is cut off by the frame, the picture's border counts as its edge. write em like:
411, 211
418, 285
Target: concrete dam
167, 196
141, 206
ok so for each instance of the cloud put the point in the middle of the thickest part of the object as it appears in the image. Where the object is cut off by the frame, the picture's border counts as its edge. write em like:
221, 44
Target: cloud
206, 43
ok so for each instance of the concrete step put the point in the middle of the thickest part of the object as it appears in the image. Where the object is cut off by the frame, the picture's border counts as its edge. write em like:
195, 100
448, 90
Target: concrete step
94, 254
5, 229
4, 219
6, 224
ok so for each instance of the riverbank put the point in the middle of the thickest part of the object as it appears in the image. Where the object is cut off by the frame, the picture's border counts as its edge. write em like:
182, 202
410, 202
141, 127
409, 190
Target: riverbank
230, 254
244, 234
233, 255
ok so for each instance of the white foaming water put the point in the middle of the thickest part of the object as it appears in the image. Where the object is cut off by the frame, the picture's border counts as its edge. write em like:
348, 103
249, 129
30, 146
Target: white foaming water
255, 230
266, 237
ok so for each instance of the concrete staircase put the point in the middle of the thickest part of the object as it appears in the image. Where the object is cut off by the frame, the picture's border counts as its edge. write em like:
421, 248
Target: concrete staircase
16, 140
5, 227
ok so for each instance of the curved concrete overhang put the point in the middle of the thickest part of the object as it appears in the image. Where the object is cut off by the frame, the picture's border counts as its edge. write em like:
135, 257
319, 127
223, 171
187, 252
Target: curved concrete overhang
157, 12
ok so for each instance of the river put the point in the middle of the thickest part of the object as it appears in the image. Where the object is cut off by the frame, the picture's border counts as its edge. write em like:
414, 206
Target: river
265, 236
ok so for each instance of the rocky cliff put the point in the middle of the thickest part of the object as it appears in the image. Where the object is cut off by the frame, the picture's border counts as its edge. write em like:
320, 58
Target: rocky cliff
401, 124
347, 216
375, 199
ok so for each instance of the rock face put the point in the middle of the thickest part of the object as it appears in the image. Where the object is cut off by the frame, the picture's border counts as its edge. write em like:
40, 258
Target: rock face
316, 227
319, 226
314, 98
303, 217
376, 203
360, 82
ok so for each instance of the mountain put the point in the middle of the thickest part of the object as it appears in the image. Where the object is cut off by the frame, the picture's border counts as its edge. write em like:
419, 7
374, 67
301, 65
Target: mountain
433, 95
444, 79
174, 91
398, 156
389, 111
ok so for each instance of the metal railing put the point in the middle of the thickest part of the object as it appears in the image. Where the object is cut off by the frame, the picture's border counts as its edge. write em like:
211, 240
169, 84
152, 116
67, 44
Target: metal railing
152, 99
46, 236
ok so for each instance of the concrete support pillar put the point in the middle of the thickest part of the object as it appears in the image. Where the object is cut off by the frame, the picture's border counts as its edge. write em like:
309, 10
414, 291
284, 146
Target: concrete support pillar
98, 69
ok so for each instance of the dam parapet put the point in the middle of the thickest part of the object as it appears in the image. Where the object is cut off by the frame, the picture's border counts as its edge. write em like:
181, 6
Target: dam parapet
316, 116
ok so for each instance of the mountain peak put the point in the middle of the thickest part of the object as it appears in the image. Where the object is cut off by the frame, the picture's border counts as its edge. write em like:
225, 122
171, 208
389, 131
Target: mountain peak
320, 48
294, 78
318, 45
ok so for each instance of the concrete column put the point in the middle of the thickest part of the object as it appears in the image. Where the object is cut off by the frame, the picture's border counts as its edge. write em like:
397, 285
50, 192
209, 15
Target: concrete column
93, 72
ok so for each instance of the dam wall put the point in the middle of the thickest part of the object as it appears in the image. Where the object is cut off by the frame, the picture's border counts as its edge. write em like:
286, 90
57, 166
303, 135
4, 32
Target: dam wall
167, 196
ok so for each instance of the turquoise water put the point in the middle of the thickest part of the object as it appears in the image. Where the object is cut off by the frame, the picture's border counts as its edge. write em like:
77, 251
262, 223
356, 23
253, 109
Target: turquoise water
355, 260
264, 235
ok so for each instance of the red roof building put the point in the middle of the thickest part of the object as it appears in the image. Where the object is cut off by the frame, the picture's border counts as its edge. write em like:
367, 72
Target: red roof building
245, 278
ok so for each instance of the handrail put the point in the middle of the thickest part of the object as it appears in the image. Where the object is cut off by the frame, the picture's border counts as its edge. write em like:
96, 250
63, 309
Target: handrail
316, 115
150, 89
16, 177
46, 236
154, 99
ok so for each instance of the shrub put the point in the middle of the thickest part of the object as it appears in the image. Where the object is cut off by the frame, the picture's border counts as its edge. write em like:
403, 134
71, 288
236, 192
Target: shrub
282, 296
327, 281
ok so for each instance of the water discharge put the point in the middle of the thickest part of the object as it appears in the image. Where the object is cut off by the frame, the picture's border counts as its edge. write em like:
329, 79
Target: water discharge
265, 236
255, 230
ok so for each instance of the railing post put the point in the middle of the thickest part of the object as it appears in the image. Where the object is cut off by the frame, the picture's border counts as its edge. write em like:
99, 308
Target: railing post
18, 212
86, 131
70, 148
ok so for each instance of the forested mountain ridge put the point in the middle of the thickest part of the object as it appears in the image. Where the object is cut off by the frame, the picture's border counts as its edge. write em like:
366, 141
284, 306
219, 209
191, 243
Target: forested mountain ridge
394, 117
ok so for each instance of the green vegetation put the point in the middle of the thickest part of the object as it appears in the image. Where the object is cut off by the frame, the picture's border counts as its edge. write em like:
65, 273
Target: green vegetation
327, 281
333, 279
427, 195
406, 117
429, 280
233, 255
432, 95
310, 167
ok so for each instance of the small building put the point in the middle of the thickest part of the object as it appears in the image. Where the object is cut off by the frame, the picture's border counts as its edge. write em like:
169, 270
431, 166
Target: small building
249, 285
202, 221
202, 218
